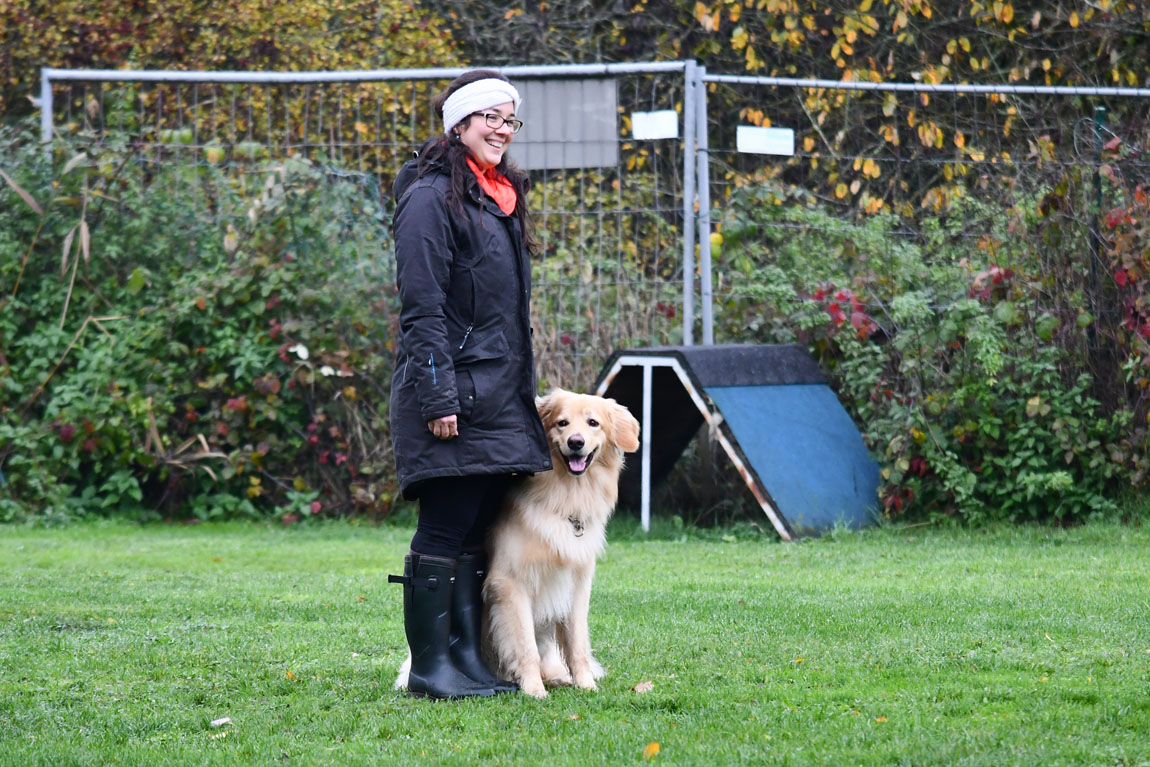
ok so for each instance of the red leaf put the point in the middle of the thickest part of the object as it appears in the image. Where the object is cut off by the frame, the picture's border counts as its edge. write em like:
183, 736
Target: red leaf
1121, 277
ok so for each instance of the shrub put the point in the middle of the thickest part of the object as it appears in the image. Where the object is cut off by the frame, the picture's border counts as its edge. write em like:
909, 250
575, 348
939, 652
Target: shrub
961, 358
201, 341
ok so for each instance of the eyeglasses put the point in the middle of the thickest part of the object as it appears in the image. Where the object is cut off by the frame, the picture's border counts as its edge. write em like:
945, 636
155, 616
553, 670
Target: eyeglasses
496, 121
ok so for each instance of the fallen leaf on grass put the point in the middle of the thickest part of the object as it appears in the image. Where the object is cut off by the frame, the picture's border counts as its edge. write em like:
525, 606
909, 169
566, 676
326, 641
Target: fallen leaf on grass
221, 722
644, 687
573, 716
650, 751
880, 718
218, 735
289, 674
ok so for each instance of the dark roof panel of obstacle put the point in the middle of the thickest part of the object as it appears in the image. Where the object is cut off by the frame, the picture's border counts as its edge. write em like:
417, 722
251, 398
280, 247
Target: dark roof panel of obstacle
737, 364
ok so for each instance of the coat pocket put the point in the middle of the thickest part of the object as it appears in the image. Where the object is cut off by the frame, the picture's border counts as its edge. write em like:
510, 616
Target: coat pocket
482, 346
482, 369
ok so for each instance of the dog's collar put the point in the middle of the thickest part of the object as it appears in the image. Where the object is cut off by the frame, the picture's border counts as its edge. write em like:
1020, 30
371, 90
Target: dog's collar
577, 524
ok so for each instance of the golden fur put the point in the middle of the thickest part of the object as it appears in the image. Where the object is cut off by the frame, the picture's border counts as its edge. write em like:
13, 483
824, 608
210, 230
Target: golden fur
542, 550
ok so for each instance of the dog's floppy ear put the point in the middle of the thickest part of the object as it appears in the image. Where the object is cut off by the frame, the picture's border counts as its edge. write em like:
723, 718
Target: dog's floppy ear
624, 427
546, 407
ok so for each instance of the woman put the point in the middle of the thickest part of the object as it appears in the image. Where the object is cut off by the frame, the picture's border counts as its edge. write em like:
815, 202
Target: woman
463, 417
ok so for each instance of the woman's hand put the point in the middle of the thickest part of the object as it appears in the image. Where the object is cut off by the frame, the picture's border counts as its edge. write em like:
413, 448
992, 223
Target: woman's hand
446, 427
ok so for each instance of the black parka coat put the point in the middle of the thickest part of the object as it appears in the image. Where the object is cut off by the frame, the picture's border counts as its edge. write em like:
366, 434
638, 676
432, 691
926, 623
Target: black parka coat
464, 342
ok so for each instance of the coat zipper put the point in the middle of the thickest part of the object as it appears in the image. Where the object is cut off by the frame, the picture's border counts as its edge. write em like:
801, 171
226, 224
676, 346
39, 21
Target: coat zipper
466, 333
431, 362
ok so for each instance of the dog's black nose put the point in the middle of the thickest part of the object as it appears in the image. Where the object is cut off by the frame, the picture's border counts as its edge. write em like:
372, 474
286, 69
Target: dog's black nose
575, 442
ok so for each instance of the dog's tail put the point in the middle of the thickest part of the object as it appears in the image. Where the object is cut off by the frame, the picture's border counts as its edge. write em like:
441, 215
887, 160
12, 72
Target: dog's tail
404, 670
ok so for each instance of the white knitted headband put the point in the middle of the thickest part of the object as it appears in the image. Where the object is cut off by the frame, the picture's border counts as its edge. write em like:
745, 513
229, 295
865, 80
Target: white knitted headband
476, 96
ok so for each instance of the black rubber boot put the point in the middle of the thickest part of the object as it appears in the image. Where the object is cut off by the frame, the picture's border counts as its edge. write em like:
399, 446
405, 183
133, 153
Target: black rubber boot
427, 587
466, 622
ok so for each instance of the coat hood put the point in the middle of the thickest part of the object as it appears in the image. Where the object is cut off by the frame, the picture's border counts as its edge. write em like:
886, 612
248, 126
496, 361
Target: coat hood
408, 173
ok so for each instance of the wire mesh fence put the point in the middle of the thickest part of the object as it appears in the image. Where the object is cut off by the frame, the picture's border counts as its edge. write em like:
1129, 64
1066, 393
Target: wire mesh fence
1017, 180
948, 169
610, 270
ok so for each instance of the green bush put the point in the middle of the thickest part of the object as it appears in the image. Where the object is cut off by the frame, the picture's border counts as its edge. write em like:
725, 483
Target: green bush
205, 341
962, 360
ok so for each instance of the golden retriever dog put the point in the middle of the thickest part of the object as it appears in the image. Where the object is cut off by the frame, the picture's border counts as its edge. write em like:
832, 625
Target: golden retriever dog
542, 549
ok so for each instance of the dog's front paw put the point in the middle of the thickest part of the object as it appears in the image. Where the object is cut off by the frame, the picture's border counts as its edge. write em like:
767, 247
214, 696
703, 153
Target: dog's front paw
534, 688
586, 681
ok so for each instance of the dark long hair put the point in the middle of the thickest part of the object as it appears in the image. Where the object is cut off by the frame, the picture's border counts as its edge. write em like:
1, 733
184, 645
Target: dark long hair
450, 155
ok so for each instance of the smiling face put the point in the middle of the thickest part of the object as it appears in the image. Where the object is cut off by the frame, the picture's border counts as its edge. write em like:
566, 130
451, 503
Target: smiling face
487, 145
581, 426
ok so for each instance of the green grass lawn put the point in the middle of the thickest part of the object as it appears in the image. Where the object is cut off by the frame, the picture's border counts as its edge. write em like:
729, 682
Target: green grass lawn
119, 645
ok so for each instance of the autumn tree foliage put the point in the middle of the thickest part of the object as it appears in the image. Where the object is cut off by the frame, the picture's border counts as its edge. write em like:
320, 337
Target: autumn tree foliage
1069, 42
280, 35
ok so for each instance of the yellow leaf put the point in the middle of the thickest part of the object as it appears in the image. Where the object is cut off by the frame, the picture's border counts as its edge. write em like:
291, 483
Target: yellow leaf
739, 38
1007, 13
808, 143
705, 18
651, 750
880, 718
889, 104
289, 674
513, 13
1074, 19
959, 140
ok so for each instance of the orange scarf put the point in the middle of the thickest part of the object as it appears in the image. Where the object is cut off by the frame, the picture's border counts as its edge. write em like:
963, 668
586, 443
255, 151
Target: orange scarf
496, 186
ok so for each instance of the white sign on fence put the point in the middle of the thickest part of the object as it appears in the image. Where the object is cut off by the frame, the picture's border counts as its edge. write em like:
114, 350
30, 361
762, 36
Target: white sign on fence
655, 125
755, 140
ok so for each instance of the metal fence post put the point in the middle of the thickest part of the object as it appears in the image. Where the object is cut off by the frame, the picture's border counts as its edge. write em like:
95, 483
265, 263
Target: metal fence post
45, 109
690, 89
703, 182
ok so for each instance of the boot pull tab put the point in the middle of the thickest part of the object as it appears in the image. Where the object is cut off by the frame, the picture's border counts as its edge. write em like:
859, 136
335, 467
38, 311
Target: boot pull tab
431, 584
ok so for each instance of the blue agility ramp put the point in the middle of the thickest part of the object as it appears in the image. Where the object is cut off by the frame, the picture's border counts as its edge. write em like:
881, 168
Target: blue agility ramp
774, 415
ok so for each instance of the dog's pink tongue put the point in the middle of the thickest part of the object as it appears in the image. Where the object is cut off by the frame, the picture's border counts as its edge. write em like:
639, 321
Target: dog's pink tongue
577, 463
